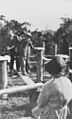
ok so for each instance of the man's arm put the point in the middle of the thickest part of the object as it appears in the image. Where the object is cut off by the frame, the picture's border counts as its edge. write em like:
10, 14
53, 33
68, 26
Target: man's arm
31, 44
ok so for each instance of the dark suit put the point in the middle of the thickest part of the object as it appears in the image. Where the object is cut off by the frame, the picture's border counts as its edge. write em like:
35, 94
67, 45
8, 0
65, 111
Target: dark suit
14, 53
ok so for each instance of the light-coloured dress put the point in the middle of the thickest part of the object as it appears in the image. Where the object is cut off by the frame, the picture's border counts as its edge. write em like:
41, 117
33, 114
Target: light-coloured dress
53, 100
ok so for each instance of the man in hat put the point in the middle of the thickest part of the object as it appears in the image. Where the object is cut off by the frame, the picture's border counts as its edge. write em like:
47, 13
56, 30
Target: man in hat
24, 53
56, 94
12, 46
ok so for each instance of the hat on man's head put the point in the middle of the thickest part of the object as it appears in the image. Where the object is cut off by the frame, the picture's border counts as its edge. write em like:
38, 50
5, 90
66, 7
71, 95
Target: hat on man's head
28, 34
11, 33
56, 65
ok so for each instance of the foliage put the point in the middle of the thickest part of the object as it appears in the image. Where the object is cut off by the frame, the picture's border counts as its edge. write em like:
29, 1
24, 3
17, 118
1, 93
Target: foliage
63, 36
18, 29
49, 41
40, 37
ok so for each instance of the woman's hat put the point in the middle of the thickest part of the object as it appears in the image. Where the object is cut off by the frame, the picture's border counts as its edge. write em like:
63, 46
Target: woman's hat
56, 65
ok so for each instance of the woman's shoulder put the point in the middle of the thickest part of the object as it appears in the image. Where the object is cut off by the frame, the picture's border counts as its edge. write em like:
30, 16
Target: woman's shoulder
49, 83
57, 81
64, 78
66, 81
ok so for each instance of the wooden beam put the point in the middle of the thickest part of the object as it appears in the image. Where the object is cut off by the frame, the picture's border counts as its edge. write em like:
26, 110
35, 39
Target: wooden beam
17, 89
26, 79
26, 118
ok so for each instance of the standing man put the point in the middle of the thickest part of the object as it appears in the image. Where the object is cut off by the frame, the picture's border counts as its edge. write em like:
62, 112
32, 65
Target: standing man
13, 47
24, 53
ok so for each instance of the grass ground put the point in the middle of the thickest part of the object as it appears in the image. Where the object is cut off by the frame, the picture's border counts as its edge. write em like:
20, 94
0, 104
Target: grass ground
19, 104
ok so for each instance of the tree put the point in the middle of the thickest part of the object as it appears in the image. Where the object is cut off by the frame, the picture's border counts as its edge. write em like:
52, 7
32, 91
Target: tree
49, 41
18, 29
63, 36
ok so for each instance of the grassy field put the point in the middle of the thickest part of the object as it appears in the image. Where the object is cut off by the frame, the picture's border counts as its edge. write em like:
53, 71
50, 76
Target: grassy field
19, 104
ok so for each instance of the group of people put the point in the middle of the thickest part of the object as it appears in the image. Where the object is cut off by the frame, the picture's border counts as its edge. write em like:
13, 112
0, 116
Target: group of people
56, 94
20, 49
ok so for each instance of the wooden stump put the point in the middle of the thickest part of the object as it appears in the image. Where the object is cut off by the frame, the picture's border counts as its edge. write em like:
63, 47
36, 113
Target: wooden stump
3, 74
40, 64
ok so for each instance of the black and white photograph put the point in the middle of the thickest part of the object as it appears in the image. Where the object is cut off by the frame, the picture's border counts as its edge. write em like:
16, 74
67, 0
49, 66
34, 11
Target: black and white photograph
35, 59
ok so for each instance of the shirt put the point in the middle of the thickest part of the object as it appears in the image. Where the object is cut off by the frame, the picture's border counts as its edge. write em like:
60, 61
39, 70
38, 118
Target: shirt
55, 93
24, 44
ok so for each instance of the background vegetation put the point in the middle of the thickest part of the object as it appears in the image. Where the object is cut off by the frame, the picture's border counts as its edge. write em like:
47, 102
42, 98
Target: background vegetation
62, 37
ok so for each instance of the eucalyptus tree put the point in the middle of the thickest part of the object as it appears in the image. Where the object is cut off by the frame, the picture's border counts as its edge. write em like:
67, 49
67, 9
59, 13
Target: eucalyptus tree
63, 36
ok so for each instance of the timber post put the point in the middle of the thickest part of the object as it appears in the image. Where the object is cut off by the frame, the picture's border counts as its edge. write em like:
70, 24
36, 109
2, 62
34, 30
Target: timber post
40, 54
55, 49
3, 72
70, 54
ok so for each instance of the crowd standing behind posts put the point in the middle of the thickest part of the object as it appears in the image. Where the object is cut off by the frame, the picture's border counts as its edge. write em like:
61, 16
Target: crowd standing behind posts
56, 94
20, 50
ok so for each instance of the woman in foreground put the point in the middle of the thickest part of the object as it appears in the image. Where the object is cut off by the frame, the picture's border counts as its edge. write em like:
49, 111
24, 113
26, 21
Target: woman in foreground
56, 93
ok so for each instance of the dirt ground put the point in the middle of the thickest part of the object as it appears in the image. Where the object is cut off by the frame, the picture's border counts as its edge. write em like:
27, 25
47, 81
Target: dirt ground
17, 105
20, 105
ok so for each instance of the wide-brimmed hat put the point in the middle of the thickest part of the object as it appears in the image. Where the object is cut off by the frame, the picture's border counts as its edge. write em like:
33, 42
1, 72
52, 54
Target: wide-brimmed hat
11, 33
56, 65
28, 34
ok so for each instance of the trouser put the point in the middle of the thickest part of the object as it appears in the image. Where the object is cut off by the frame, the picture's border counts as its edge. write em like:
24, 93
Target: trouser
17, 63
13, 57
22, 60
11, 62
25, 59
25, 64
28, 58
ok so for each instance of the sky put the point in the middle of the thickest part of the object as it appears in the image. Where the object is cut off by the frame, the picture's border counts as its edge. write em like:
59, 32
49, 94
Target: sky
40, 13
